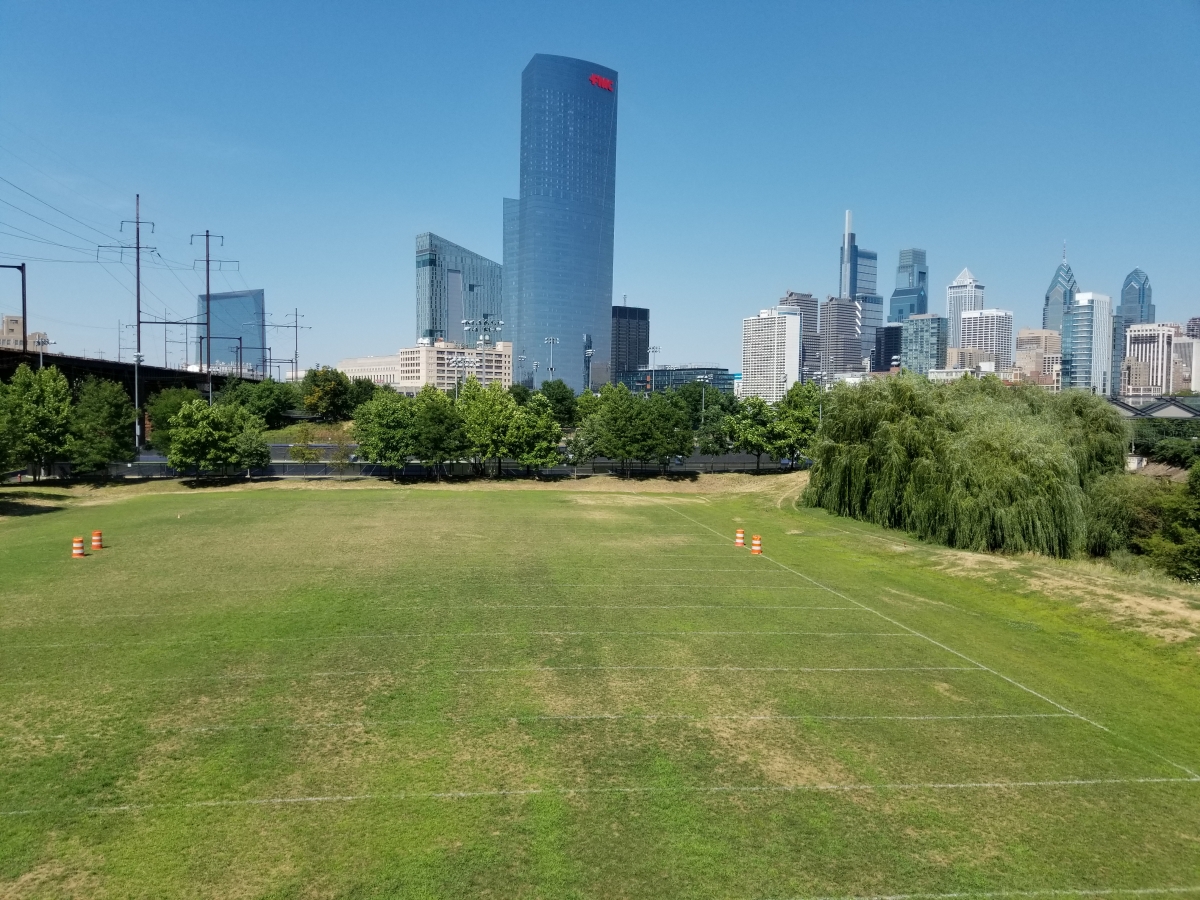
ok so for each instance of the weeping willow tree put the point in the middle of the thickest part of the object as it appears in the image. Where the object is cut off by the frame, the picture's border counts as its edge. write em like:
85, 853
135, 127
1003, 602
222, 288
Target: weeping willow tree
973, 464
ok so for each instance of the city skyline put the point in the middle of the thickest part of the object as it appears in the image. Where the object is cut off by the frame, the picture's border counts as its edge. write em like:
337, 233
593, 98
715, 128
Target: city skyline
249, 151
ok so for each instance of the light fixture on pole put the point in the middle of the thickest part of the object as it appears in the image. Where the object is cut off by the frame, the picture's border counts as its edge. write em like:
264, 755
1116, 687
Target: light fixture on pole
654, 351
551, 341
41, 343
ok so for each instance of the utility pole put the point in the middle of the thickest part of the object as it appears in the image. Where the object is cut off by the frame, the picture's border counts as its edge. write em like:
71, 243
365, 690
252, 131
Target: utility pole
208, 261
24, 311
295, 326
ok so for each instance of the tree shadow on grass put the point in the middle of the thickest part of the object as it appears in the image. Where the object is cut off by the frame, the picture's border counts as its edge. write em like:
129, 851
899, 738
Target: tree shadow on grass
28, 503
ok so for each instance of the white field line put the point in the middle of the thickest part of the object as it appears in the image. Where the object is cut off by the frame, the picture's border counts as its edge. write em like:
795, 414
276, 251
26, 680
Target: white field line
391, 635
933, 641
566, 791
356, 673
1043, 892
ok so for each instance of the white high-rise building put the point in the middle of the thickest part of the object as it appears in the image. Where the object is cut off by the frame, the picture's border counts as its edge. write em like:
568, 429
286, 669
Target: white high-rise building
443, 364
962, 295
1152, 345
772, 349
989, 330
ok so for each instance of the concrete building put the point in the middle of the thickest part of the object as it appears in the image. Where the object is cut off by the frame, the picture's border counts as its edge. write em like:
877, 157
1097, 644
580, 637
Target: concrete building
630, 340
967, 357
771, 351
989, 330
411, 368
10, 335
1039, 356
841, 336
810, 359
923, 343
1187, 362
962, 295
1087, 343
888, 346
1149, 359
1193, 327
1042, 339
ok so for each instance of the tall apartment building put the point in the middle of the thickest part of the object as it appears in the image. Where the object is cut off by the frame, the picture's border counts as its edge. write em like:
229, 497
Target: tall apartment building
1087, 343
560, 231
841, 336
968, 358
924, 342
858, 280
10, 335
239, 330
1059, 295
1151, 346
888, 346
630, 340
442, 364
1135, 308
455, 285
989, 330
810, 360
771, 351
963, 294
1193, 327
911, 296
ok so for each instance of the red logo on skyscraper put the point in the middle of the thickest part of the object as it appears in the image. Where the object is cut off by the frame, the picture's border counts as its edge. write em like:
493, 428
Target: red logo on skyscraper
601, 82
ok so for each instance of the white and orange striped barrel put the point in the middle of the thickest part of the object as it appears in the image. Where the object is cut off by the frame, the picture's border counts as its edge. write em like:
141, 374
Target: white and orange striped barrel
739, 539
756, 544
97, 540
77, 548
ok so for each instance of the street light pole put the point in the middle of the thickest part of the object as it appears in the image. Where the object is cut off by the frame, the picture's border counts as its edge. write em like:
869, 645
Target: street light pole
654, 351
551, 341
24, 311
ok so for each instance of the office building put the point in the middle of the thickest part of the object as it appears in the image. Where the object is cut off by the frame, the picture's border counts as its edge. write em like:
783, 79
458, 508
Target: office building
1087, 343
1193, 327
239, 332
1039, 356
1059, 296
10, 335
665, 378
841, 336
858, 278
962, 295
810, 358
989, 330
1135, 308
1186, 350
888, 345
967, 357
560, 230
455, 285
1042, 339
771, 351
443, 364
923, 343
630, 340
1151, 346
911, 296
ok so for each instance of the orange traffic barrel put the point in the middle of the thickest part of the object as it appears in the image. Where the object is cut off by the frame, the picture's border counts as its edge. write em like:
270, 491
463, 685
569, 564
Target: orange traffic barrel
77, 548
97, 540
740, 539
756, 544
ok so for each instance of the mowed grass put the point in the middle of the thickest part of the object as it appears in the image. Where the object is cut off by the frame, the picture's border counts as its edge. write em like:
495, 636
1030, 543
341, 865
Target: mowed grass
419, 692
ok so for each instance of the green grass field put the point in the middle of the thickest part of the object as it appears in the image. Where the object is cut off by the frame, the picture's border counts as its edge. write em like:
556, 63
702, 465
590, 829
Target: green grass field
380, 691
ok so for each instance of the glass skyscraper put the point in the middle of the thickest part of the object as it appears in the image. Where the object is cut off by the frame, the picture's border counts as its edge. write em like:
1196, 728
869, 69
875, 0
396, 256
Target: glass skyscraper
911, 296
235, 314
1087, 343
859, 271
1135, 308
560, 231
1059, 296
454, 284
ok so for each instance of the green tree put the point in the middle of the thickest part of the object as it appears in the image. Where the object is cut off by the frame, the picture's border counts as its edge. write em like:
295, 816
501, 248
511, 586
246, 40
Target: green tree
35, 409
216, 439
384, 429
619, 425
101, 426
326, 394
751, 427
488, 415
583, 445
342, 453
534, 435
586, 404
362, 390
797, 417
520, 393
268, 399
562, 401
161, 408
669, 426
704, 400
713, 438
437, 428
302, 449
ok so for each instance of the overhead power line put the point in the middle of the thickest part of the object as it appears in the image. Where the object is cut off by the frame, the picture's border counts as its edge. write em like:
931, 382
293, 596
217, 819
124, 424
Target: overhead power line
56, 209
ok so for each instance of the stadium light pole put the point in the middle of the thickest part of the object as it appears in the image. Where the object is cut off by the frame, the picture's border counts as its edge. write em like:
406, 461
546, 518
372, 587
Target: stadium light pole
551, 341
41, 345
654, 351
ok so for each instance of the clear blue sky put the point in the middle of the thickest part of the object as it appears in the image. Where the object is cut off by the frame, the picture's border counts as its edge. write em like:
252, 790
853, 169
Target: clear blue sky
321, 138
